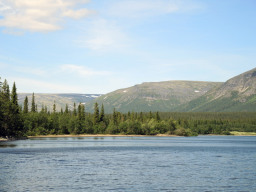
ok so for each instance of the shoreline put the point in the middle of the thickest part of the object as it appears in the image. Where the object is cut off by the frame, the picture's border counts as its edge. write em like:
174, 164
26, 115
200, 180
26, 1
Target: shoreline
101, 135
122, 135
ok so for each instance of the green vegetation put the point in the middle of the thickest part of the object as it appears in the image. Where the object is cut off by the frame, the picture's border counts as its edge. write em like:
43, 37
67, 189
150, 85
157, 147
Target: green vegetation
18, 121
11, 121
243, 133
154, 96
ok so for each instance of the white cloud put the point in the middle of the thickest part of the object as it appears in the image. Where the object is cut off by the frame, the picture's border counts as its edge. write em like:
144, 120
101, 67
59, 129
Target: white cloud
83, 71
40, 15
104, 35
145, 8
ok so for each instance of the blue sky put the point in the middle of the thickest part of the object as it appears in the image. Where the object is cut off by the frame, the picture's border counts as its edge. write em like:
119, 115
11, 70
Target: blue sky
82, 46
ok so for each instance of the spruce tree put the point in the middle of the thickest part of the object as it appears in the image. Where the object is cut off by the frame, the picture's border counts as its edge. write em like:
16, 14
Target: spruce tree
157, 116
115, 117
66, 109
96, 114
83, 112
16, 124
6, 92
5, 108
79, 111
54, 107
102, 113
25, 107
14, 97
33, 104
74, 110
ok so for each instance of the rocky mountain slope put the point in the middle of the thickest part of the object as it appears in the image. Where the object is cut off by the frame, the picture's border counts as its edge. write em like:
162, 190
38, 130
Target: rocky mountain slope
153, 96
236, 94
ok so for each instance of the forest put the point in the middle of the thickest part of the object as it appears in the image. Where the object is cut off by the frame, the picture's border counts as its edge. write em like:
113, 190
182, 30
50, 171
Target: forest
26, 120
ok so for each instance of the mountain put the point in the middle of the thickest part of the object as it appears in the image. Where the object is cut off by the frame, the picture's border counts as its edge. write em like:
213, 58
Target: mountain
236, 94
60, 99
152, 96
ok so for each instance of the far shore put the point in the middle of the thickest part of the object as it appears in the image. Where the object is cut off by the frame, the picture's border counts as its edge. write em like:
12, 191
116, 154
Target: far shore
233, 133
102, 135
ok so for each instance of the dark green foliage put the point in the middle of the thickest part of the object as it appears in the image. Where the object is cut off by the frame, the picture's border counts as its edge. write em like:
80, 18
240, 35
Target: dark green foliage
33, 104
11, 121
102, 113
54, 107
25, 105
96, 117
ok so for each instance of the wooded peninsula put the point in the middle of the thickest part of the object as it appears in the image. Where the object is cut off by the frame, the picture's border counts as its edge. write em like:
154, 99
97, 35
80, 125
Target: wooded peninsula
22, 121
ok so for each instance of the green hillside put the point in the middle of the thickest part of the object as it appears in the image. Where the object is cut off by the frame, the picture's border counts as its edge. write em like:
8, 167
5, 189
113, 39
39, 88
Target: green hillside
153, 96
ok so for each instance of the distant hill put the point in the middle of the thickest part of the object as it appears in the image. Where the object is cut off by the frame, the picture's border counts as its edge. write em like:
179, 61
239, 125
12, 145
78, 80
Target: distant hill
236, 94
153, 96
60, 99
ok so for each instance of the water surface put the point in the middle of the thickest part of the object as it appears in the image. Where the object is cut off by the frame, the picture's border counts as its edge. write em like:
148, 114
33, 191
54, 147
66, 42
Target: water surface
204, 163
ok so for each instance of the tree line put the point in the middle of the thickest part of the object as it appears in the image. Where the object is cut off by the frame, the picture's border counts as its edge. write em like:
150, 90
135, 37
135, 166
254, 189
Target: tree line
27, 120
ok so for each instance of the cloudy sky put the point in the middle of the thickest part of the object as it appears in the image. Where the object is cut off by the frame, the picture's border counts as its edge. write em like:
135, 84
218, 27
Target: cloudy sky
98, 46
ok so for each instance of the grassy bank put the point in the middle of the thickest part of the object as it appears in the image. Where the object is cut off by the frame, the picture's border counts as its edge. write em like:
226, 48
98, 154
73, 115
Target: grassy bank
237, 133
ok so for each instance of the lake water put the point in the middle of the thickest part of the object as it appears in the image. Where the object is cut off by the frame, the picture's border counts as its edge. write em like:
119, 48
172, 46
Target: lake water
203, 163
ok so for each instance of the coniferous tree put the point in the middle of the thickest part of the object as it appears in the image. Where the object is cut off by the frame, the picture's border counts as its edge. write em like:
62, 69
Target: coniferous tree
74, 110
33, 104
115, 117
79, 111
157, 116
6, 92
14, 97
129, 115
54, 107
16, 124
102, 113
83, 112
25, 107
5, 97
96, 114
66, 109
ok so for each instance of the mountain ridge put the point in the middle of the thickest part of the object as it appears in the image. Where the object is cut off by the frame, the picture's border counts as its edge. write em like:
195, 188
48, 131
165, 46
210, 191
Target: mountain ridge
153, 96
236, 94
